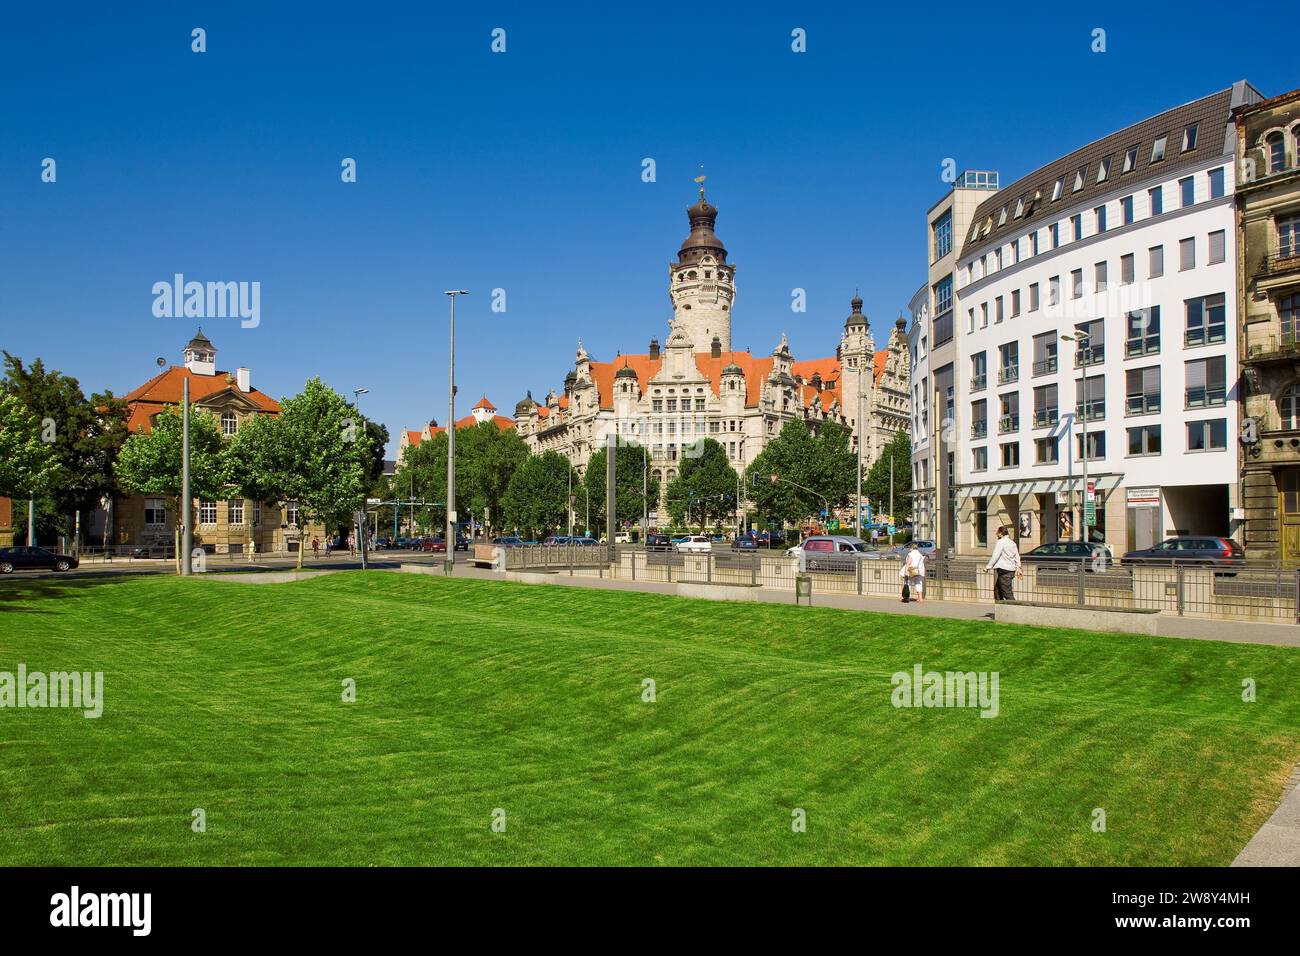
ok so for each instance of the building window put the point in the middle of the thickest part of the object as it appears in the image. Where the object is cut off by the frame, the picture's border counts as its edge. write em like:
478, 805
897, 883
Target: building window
1217, 242
984, 315
1186, 254
1096, 446
1187, 191
1045, 353
1189, 138
1009, 362
1076, 226
1099, 277
657, 405
1156, 196
1130, 159
979, 459
979, 368
1144, 440
1078, 178
1057, 187
1009, 412
155, 512
1288, 313
1142, 390
1054, 290
997, 303
1100, 213
235, 511
1276, 153
1206, 382
1076, 283
257, 514
1158, 148
1288, 236
1205, 320
207, 512
1126, 209
1126, 269
1033, 243
1093, 350
1046, 451
1155, 262
943, 235
1033, 297
1216, 182
1010, 454
1288, 408
1208, 435
1055, 230
1143, 333
229, 423
1015, 302
1103, 170
291, 513
1090, 398
1045, 408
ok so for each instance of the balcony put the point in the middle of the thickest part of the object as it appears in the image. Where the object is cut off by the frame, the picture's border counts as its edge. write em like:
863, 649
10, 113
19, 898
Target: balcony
1045, 367
979, 429
1045, 417
1008, 423
978, 382
1271, 346
1008, 373
1093, 355
1280, 264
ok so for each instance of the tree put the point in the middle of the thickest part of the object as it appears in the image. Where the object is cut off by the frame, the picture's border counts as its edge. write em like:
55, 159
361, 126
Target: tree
422, 473
704, 491
875, 486
258, 459
85, 435
27, 464
150, 462
486, 460
321, 462
834, 464
633, 486
791, 456
536, 499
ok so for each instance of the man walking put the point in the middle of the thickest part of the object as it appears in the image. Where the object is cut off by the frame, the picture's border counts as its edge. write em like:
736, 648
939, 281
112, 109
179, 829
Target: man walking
1005, 563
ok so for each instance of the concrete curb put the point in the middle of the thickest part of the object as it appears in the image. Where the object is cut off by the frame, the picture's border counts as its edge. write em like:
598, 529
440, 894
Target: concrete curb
265, 577
1278, 841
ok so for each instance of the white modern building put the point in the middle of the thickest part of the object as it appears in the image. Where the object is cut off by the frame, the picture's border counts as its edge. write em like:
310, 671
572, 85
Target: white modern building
1097, 293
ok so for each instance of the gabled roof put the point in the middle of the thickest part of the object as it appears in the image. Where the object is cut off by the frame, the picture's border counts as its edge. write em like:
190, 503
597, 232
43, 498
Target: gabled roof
484, 403
166, 389
469, 421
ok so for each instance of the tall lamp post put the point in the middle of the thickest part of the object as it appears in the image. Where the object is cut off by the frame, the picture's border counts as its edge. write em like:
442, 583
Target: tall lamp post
361, 520
1082, 346
450, 562
857, 501
187, 531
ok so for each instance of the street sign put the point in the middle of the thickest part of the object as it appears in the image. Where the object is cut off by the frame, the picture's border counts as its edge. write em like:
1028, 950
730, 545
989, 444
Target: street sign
893, 530
1092, 513
1092, 491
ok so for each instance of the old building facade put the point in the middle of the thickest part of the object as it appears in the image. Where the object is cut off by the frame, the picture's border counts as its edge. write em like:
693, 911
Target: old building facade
697, 385
1268, 278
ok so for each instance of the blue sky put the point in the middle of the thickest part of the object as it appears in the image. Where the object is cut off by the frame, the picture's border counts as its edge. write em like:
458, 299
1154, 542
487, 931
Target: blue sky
522, 170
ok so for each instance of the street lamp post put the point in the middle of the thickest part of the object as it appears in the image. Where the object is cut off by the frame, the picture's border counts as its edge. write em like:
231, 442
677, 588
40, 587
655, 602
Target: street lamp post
361, 522
450, 561
187, 538
1082, 344
857, 501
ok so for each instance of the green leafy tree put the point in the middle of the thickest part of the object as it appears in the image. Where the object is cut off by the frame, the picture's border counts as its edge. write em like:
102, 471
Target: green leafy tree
875, 485
422, 474
633, 485
258, 459
536, 500
85, 435
486, 460
791, 456
834, 466
150, 462
704, 491
322, 455
27, 464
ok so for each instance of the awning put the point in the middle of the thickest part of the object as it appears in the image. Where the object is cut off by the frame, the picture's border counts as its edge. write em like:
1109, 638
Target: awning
1103, 483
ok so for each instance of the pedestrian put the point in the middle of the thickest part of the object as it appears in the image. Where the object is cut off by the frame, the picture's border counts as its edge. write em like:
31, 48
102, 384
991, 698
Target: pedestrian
1005, 563
913, 574
329, 545
315, 548
352, 545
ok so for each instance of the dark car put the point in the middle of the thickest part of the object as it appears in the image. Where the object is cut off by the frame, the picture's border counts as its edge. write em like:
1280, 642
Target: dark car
1201, 551
462, 543
658, 542
744, 543
509, 541
557, 541
24, 558
1070, 553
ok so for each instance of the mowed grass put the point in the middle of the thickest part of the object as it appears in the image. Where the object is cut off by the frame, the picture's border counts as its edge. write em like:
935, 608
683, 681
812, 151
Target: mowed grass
476, 695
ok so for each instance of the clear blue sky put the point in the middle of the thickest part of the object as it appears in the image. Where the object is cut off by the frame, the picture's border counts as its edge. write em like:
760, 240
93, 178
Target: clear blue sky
522, 170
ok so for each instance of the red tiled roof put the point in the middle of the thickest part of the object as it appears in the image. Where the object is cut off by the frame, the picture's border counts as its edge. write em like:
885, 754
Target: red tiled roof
469, 421
166, 389
881, 358
755, 369
484, 403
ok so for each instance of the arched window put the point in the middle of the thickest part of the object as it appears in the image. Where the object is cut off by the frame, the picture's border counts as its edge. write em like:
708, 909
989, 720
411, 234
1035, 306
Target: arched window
1276, 149
1288, 408
229, 423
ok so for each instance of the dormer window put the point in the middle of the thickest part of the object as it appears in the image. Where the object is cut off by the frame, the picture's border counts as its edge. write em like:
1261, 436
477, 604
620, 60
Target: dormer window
1078, 178
1103, 170
1158, 148
1189, 138
1130, 159
1057, 188
1002, 217
1020, 208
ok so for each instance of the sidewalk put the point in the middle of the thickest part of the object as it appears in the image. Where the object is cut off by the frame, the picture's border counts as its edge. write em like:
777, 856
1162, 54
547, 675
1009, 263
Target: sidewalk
1278, 841
1237, 632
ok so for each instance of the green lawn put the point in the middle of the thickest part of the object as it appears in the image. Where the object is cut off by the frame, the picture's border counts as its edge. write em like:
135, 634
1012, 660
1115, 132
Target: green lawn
475, 695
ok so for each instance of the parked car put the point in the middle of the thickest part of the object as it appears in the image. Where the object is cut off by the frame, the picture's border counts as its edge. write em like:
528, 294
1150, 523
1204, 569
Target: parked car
25, 558
623, 537
694, 544
462, 543
826, 551
744, 543
583, 542
927, 548
658, 542
557, 541
509, 541
404, 543
1071, 552
1202, 551
383, 544
434, 545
